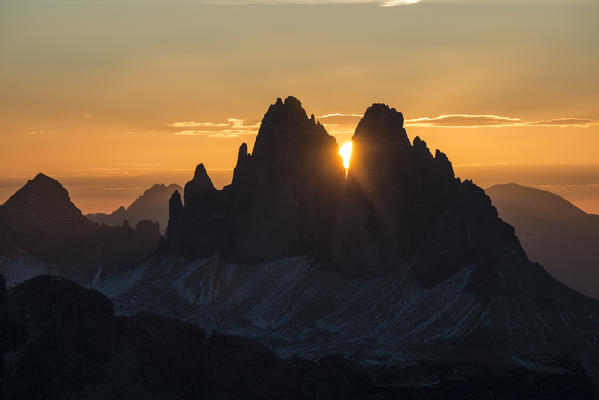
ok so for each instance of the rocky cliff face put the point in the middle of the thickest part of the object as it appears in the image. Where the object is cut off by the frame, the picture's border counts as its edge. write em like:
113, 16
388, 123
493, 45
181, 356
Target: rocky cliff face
282, 200
394, 193
286, 192
40, 220
291, 196
61, 341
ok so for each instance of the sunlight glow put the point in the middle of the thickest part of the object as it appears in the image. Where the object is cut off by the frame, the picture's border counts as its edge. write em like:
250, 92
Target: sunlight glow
345, 152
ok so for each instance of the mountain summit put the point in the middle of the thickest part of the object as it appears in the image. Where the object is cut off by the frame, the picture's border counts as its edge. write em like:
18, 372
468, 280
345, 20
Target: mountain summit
395, 191
282, 200
44, 197
41, 221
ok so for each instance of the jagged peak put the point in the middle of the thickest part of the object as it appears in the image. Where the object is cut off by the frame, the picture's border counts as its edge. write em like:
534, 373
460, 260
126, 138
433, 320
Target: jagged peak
292, 101
285, 120
382, 108
198, 186
439, 155
175, 200
201, 180
200, 172
243, 152
290, 109
382, 122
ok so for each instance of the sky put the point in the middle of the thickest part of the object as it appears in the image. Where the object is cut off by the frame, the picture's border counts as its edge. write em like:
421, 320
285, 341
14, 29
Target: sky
113, 96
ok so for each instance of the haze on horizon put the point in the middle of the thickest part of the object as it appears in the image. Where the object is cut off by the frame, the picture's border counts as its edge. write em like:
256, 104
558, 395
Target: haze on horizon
112, 97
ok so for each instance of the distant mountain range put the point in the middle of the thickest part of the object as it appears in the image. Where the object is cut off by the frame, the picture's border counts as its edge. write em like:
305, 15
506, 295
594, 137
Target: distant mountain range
40, 221
554, 232
151, 205
399, 266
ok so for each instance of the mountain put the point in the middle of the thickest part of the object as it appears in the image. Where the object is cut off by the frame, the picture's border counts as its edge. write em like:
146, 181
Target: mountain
41, 221
407, 261
394, 194
59, 340
554, 233
281, 201
151, 205
400, 276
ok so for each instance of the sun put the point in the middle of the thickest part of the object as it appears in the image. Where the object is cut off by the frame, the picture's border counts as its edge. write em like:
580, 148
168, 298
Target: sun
345, 152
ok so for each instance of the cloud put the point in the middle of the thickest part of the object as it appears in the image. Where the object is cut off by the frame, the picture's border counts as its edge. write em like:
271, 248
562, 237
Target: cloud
194, 124
392, 3
380, 3
493, 121
343, 123
564, 122
464, 121
234, 127
41, 132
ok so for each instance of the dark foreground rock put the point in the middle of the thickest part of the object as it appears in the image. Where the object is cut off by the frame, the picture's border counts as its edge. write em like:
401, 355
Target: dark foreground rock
61, 341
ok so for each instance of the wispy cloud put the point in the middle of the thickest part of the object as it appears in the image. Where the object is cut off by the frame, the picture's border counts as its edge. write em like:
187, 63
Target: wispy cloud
345, 123
564, 122
392, 3
234, 127
40, 132
463, 121
381, 3
484, 120
194, 124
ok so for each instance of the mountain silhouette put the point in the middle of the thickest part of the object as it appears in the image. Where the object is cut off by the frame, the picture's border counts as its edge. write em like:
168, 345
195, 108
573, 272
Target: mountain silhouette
401, 223
554, 232
40, 220
395, 192
281, 201
399, 266
151, 205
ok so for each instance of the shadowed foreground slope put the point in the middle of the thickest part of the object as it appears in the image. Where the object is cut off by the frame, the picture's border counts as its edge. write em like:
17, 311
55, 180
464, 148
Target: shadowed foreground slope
61, 341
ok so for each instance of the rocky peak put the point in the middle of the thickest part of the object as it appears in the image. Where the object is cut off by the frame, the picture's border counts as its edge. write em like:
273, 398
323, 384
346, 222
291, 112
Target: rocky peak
175, 205
198, 186
282, 199
394, 192
380, 122
284, 126
45, 198
242, 162
291, 195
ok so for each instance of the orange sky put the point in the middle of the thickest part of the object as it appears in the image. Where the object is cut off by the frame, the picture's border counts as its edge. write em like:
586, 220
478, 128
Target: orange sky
114, 96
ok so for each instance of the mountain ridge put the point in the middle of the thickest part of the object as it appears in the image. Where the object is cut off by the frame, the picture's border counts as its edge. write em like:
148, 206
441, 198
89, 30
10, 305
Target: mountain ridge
41, 221
397, 264
152, 205
553, 232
